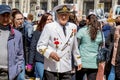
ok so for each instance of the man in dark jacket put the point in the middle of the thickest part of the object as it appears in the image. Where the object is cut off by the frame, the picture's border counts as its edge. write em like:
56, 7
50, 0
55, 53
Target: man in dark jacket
113, 45
11, 50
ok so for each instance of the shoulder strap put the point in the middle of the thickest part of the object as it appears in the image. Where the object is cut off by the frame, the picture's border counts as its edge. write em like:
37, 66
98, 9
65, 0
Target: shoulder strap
103, 42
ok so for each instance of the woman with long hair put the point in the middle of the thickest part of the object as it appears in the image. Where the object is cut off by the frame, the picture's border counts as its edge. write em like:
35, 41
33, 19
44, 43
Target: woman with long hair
89, 39
34, 56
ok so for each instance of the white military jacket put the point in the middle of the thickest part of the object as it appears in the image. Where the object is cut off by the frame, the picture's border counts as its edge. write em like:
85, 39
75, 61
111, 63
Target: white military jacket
53, 39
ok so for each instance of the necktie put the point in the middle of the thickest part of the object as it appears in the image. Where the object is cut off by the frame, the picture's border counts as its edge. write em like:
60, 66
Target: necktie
64, 30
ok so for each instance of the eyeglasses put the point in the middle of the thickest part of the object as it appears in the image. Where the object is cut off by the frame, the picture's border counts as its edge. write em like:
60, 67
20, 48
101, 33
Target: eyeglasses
49, 19
19, 19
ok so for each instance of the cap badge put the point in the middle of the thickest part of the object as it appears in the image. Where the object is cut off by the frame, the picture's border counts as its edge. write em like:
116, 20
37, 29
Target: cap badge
64, 8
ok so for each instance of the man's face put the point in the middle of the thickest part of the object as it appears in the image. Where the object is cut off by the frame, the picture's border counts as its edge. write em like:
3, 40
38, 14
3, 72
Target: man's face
5, 19
63, 18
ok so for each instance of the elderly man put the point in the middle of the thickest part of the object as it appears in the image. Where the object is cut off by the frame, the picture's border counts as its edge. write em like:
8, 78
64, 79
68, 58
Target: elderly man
57, 43
11, 47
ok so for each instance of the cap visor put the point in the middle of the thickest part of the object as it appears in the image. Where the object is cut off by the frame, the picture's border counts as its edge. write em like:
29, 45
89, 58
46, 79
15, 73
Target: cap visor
5, 11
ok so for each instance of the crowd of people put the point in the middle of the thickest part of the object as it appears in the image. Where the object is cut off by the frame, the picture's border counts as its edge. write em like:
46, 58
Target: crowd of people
64, 48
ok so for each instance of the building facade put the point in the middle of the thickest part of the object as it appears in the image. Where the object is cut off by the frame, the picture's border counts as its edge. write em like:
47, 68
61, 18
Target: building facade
84, 6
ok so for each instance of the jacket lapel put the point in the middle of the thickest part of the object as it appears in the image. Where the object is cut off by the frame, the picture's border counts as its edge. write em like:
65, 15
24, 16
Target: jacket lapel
60, 32
68, 33
64, 38
12, 33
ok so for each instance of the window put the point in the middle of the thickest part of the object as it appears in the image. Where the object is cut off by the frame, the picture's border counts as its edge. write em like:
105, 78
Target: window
117, 12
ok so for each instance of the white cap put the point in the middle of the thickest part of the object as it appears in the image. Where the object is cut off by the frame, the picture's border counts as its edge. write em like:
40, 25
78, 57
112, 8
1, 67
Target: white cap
61, 6
92, 13
25, 14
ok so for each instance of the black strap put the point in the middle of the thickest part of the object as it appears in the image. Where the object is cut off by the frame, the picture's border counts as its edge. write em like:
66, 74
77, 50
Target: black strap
102, 39
102, 36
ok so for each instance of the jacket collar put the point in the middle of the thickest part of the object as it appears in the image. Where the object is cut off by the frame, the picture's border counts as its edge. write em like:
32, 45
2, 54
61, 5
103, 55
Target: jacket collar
12, 33
4, 27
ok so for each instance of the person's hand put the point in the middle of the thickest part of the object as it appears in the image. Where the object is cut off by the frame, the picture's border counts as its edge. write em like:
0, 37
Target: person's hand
29, 67
79, 67
101, 65
54, 56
